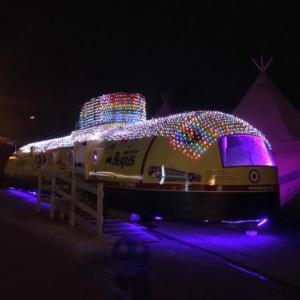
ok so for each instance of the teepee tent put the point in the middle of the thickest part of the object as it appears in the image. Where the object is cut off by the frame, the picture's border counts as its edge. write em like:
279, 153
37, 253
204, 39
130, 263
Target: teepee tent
267, 109
165, 109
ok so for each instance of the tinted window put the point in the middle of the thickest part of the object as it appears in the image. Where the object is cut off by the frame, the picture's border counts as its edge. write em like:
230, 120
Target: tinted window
245, 150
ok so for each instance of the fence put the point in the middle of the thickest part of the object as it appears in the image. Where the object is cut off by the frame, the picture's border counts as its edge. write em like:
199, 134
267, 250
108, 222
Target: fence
69, 195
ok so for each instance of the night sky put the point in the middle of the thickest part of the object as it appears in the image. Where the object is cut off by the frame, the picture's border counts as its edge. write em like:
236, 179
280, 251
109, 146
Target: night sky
53, 59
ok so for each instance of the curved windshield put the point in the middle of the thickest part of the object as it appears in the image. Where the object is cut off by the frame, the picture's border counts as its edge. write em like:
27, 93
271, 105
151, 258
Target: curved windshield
245, 150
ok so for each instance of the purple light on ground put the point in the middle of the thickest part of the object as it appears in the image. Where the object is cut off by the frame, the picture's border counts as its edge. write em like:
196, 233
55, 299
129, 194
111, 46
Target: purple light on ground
251, 273
28, 197
262, 222
259, 222
158, 218
32, 193
134, 217
223, 244
239, 221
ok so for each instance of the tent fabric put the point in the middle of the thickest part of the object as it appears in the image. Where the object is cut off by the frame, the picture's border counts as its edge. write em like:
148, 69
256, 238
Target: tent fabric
164, 110
264, 107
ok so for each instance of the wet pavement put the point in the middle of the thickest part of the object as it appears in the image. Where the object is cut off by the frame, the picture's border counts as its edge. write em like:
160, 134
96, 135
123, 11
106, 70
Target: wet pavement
44, 259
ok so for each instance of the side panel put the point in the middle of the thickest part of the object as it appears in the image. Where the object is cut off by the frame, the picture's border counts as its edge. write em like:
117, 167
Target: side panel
29, 165
22, 166
177, 167
204, 174
152, 164
83, 156
122, 160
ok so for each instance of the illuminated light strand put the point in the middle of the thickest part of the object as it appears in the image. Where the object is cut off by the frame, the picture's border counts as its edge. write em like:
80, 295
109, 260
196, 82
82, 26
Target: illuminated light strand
90, 134
123, 108
41, 146
190, 133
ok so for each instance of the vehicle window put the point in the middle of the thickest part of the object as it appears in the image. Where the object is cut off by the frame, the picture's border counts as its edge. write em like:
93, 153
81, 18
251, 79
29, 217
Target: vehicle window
245, 150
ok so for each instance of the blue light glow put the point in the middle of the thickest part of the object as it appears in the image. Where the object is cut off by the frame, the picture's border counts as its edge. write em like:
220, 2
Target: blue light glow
28, 196
134, 217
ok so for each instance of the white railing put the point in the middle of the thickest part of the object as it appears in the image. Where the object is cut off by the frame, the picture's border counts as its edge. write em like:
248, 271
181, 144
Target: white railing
68, 194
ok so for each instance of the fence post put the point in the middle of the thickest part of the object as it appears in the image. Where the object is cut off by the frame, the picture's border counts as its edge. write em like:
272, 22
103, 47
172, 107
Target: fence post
52, 196
61, 213
73, 201
39, 197
100, 196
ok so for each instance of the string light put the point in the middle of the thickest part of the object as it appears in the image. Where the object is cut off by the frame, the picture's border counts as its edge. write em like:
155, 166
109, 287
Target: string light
191, 133
122, 108
122, 116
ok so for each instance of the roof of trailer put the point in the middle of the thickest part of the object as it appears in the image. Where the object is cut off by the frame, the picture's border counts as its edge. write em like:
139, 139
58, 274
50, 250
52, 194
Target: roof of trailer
191, 132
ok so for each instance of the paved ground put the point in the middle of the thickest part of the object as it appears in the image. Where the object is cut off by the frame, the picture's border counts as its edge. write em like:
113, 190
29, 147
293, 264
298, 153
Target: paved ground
43, 259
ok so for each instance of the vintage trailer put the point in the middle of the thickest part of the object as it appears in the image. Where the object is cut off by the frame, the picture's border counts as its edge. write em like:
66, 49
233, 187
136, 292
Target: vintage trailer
202, 165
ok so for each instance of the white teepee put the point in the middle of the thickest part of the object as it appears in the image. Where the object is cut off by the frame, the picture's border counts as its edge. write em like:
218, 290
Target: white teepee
266, 108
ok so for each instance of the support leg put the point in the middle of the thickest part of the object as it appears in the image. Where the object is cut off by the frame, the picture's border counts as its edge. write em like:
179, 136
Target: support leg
100, 195
52, 197
73, 201
39, 197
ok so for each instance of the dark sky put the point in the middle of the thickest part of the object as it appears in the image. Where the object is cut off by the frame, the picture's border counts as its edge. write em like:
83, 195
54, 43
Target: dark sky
53, 59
